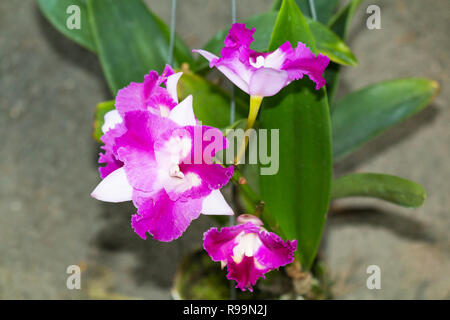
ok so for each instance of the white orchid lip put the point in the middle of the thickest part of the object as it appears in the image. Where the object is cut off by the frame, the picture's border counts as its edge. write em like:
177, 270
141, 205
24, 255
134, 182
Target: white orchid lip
247, 244
258, 62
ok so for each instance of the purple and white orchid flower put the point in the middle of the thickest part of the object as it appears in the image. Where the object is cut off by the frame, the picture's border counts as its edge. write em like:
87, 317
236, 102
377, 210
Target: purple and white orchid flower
248, 250
149, 96
155, 144
264, 74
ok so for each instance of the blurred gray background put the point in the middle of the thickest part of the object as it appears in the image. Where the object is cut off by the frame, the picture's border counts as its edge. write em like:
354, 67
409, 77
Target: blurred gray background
49, 87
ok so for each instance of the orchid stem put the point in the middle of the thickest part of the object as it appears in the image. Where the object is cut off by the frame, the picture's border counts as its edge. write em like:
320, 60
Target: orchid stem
312, 8
172, 31
255, 104
261, 209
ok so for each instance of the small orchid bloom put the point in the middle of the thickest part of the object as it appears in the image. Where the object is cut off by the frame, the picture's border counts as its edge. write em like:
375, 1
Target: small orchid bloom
248, 250
149, 96
264, 74
162, 174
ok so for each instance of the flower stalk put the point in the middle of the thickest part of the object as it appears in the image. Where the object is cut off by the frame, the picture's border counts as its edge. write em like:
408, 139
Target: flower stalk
261, 210
255, 104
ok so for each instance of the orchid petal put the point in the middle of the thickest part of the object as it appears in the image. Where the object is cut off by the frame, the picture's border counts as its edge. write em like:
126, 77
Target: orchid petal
274, 252
206, 54
234, 77
215, 204
167, 72
248, 250
227, 70
129, 98
248, 244
150, 83
210, 177
135, 149
111, 163
163, 218
266, 82
183, 113
265, 74
239, 36
245, 273
114, 188
276, 58
171, 85
303, 61
110, 158
111, 119
220, 244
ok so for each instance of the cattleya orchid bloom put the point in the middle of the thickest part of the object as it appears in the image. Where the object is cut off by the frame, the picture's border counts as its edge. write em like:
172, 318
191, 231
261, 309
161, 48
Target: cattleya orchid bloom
264, 74
151, 142
248, 250
149, 96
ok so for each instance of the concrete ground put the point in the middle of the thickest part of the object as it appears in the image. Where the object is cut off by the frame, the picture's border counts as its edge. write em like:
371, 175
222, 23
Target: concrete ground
411, 246
49, 87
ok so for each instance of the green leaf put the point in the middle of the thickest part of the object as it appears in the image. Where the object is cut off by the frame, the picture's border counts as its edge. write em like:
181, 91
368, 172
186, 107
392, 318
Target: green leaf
211, 102
394, 189
363, 114
252, 200
340, 24
100, 110
326, 41
329, 44
129, 40
55, 12
324, 8
298, 195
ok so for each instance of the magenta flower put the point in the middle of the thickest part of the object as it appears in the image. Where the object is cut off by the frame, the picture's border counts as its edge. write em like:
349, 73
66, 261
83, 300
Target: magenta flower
149, 96
160, 160
264, 74
248, 250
